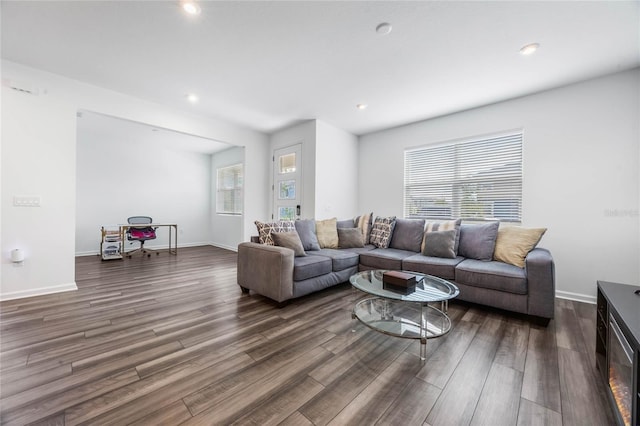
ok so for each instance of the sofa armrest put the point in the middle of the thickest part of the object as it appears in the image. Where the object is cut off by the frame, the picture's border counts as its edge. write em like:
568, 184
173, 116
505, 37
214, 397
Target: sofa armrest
267, 270
541, 283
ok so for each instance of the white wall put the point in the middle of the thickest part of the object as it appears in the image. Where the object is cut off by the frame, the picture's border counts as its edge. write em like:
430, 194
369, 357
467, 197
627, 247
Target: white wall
336, 172
329, 168
39, 158
305, 134
225, 228
121, 176
581, 177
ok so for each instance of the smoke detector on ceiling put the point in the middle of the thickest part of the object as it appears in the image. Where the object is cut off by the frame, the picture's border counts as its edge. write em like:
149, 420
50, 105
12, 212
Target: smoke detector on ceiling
384, 28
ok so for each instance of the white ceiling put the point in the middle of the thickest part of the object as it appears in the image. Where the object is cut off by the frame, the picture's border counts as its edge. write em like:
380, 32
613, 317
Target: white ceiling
271, 64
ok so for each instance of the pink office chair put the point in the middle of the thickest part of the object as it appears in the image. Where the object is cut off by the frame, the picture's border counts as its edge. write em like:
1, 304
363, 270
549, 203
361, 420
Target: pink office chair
141, 233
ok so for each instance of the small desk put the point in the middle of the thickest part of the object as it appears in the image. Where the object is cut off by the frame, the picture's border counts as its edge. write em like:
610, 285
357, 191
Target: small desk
173, 248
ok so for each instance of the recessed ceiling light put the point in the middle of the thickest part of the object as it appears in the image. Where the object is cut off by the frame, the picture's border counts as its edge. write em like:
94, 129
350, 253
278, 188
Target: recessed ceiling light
529, 49
193, 98
362, 106
384, 28
191, 7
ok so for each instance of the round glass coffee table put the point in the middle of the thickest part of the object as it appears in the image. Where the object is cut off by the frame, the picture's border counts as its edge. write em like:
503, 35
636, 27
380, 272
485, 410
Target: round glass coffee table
402, 312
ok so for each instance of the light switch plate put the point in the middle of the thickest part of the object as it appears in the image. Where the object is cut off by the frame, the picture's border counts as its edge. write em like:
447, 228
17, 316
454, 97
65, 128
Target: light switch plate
26, 200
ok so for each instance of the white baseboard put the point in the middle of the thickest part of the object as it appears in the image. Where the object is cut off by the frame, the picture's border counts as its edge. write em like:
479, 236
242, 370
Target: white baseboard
222, 246
156, 247
39, 291
576, 296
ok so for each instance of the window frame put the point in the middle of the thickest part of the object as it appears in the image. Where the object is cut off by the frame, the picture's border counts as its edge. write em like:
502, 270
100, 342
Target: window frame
235, 191
478, 178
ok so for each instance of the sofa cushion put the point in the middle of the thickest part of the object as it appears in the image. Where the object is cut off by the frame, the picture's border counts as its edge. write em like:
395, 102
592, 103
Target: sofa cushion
494, 275
265, 229
364, 223
289, 240
385, 258
440, 244
382, 231
438, 266
514, 243
327, 233
350, 238
310, 266
340, 259
346, 223
443, 226
407, 234
307, 231
360, 250
478, 241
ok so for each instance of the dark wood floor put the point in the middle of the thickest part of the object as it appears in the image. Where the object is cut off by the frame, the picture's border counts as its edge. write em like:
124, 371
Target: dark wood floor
172, 340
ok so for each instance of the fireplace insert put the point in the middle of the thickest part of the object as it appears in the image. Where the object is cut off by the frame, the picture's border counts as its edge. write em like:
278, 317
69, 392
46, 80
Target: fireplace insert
618, 348
620, 371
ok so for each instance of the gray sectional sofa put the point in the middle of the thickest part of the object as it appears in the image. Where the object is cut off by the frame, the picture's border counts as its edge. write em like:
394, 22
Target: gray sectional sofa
282, 273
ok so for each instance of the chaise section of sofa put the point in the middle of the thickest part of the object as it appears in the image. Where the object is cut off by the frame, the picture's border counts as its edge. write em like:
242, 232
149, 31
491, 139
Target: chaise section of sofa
275, 272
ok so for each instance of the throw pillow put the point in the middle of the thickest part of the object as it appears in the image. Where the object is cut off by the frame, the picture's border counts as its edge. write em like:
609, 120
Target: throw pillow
346, 223
444, 226
408, 234
382, 231
440, 244
478, 241
266, 229
306, 229
289, 240
350, 238
514, 243
327, 232
364, 223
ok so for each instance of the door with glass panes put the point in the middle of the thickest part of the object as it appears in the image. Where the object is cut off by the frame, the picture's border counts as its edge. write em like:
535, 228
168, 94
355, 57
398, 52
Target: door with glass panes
287, 182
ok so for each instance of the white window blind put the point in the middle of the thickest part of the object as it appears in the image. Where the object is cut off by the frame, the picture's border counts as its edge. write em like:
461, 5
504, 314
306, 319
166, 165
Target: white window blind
472, 179
229, 192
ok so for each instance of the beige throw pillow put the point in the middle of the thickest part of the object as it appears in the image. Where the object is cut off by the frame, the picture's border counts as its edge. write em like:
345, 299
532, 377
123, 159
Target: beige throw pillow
327, 232
514, 243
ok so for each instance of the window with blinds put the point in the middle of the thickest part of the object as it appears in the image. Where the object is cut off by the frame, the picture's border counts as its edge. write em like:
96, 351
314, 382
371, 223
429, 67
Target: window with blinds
229, 193
474, 179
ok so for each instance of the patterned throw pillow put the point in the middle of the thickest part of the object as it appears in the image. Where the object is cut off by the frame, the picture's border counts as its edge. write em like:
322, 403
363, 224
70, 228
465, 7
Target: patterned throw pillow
444, 226
265, 230
382, 231
364, 224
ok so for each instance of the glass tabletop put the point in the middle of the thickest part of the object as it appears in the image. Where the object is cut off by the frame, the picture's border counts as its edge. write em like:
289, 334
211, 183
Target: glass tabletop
428, 288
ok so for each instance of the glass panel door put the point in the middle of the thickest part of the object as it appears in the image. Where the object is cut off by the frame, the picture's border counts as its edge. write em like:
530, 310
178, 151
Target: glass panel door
287, 182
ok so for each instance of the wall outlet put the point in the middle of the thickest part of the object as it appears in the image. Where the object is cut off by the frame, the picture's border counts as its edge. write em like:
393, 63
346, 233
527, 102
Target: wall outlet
26, 200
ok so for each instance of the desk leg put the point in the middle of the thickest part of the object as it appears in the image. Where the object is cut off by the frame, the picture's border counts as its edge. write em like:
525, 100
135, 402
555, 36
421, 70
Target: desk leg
175, 251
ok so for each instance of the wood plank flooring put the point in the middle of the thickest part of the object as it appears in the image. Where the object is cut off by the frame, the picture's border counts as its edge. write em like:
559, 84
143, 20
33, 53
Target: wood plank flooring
172, 340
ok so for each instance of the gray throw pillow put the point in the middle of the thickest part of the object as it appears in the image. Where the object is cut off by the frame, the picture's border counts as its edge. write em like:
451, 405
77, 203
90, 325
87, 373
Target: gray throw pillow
306, 229
440, 244
346, 223
478, 241
289, 240
408, 234
350, 238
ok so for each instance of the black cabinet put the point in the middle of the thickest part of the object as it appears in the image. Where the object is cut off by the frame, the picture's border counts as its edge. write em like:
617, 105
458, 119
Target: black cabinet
618, 348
